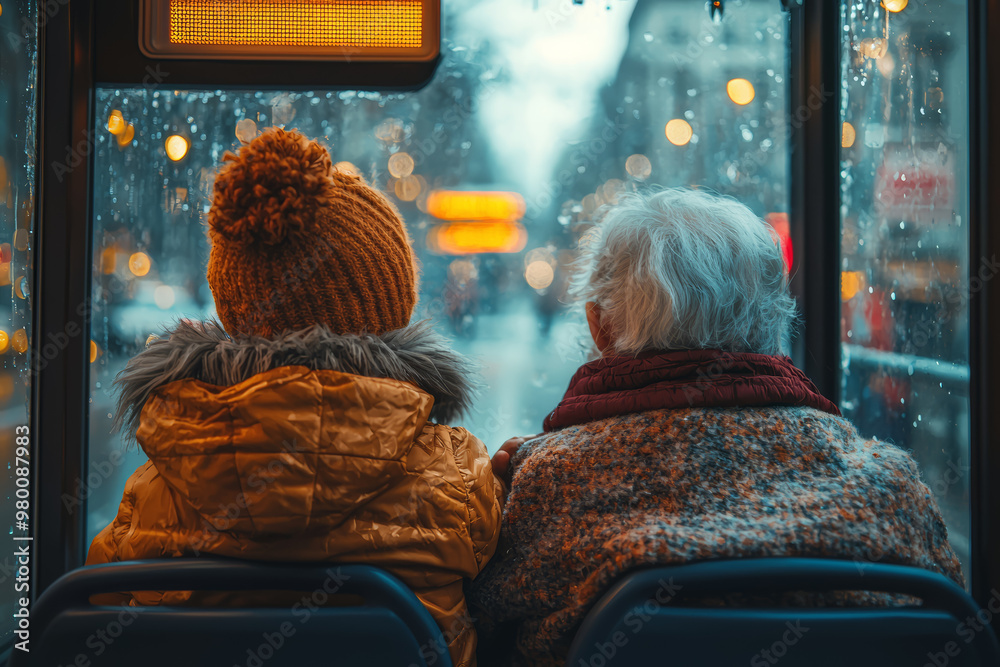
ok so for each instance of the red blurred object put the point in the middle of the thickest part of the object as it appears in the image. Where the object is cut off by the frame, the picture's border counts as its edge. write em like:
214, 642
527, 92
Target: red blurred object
916, 184
779, 223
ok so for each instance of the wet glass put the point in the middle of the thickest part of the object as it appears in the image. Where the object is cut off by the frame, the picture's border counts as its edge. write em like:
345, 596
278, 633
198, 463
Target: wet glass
905, 284
566, 105
18, 116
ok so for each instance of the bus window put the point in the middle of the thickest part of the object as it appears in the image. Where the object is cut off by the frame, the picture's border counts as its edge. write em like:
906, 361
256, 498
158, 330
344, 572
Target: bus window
905, 253
18, 109
539, 114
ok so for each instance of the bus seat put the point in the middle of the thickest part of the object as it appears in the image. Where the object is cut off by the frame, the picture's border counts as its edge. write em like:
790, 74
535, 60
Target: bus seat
642, 619
388, 627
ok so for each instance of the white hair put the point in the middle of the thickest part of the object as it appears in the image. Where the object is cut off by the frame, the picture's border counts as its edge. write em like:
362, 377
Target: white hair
684, 269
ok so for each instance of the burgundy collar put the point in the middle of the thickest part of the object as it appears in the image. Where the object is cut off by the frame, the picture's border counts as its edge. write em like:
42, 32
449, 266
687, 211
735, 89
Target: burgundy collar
619, 385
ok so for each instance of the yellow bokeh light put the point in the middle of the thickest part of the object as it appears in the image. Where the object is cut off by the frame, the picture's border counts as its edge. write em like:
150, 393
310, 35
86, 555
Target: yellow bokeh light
539, 274
740, 91
177, 147
679, 132
874, 47
848, 135
109, 259
94, 350
400, 165
459, 205
4, 341
20, 341
5, 273
851, 283
638, 166
116, 122
6, 387
469, 238
19, 287
126, 137
139, 264
895, 5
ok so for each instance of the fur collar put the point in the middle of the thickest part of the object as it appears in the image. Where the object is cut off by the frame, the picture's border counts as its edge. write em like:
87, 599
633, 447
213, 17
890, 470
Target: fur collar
204, 351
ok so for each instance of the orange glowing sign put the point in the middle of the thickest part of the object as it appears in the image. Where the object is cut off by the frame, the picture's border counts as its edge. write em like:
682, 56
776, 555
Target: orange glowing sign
456, 205
470, 238
399, 30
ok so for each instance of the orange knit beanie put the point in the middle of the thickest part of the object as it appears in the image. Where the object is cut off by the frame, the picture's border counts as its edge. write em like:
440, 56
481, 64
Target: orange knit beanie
296, 242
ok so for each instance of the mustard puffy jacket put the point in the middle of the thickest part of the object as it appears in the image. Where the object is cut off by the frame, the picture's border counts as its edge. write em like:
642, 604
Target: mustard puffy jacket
305, 464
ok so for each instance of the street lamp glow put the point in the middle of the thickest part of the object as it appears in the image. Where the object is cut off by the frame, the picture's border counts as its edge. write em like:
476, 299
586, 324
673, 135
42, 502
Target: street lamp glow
740, 91
177, 147
679, 132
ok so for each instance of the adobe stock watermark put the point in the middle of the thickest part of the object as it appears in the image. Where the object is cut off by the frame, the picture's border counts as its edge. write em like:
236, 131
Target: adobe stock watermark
303, 611
779, 649
635, 620
968, 629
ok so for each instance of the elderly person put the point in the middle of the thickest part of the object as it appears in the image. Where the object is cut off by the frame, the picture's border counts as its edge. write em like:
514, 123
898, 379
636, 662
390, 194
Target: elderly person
692, 437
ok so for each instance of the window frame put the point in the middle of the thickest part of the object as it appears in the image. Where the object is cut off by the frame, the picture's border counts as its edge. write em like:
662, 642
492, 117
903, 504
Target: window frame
74, 61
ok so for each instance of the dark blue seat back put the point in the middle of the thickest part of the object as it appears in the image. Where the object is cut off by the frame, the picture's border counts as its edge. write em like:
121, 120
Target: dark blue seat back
642, 620
388, 626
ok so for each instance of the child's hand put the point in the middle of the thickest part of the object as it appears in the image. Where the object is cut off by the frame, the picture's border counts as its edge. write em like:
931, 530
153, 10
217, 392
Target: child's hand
501, 460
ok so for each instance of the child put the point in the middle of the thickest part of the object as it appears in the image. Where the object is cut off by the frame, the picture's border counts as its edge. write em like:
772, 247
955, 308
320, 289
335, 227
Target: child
300, 429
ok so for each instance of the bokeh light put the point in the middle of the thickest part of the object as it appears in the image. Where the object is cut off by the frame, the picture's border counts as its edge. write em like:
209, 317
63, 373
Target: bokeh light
873, 47
467, 205
94, 351
851, 283
740, 91
539, 274
886, 65
177, 147
407, 188
246, 130
679, 132
126, 137
164, 297
400, 165
4, 341
638, 166
139, 264
116, 122
895, 5
848, 135
19, 341
390, 131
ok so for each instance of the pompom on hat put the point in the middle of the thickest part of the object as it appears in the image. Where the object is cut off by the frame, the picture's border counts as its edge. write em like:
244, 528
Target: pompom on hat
297, 242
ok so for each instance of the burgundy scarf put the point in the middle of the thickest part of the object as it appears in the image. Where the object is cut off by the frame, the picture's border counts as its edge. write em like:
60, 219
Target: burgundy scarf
619, 385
